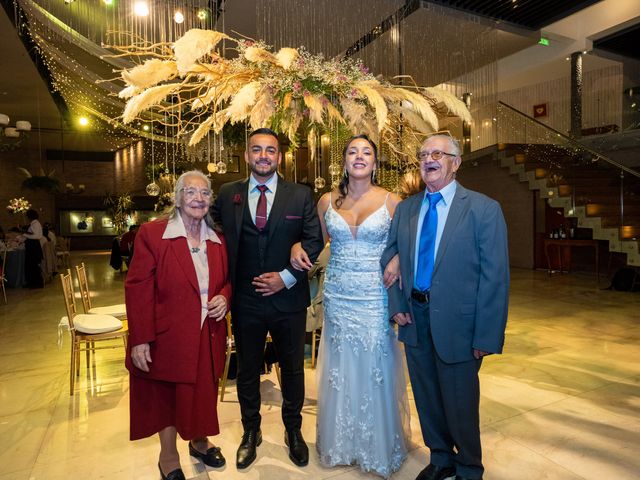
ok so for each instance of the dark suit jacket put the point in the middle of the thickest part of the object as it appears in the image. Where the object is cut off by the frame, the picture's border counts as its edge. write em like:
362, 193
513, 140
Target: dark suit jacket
164, 307
470, 283
293, 218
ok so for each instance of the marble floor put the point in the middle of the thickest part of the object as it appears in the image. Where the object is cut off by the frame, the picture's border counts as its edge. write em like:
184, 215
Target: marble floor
563, 402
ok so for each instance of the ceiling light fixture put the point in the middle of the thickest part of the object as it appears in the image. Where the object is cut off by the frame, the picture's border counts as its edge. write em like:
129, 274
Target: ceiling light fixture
141, 9
84, 121
178, 17
202, 14
9, 134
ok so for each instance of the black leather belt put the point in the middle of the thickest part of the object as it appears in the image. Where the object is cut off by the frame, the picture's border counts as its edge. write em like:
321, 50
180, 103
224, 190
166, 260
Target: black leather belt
420, 297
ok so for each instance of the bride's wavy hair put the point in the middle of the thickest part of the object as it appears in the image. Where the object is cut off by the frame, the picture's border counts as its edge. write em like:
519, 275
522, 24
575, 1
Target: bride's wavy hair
343, 186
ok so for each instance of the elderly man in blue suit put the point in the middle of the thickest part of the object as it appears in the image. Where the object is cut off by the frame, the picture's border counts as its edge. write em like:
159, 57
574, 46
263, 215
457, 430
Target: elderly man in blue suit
450, 305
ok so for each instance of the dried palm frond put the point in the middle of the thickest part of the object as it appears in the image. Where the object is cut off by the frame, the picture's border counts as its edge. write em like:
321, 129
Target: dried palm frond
257, 55
149, 97
334, 113
286, 56
453, 104
286, 101
375, 100
262, 110
194, 45
128, 92
312, 143
353, 111
421, 106
242, 102
314, 104
215, 122
413, 119
150, 73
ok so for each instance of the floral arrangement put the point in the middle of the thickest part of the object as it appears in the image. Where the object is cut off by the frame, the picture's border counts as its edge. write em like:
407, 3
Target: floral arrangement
165, 201
18, 205
119, 208
200, 91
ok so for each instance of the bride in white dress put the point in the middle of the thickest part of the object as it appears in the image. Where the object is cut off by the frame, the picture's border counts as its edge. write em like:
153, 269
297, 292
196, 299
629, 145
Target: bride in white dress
363, 414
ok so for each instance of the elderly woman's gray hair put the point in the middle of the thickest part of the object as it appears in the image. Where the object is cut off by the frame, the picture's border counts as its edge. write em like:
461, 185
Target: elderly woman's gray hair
177, 195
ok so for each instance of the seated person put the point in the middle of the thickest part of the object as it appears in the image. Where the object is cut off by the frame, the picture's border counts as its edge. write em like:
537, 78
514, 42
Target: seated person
126, 241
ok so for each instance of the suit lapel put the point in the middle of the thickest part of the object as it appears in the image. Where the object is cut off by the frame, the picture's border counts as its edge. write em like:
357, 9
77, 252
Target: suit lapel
414, 215
458, 207
277, 209
242, 190
180, 247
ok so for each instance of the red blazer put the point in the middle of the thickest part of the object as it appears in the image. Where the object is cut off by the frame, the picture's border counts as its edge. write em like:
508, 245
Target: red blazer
164, 308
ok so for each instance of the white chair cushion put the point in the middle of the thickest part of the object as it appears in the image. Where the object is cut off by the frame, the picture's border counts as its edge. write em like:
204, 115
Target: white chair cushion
92, 324
117, 311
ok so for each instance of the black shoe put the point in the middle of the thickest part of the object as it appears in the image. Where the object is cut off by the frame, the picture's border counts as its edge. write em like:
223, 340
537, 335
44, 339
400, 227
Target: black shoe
247, 450
298, 450
176, 474
436, 472
213, 457
458, 477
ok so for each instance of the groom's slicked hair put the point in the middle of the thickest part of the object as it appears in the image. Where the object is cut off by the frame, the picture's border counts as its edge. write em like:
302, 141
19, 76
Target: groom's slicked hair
265, 131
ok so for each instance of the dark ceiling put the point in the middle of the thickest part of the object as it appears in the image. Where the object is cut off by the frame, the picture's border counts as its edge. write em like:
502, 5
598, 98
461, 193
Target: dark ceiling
532, 14
625, 42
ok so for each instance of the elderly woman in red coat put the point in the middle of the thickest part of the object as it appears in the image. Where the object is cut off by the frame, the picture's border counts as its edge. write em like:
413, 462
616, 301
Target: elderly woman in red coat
177, 294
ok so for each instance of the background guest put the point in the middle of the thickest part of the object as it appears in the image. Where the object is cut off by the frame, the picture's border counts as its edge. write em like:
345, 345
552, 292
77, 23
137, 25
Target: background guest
33, 251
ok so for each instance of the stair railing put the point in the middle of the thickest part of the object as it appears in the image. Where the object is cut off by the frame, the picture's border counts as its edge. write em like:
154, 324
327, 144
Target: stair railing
571, 166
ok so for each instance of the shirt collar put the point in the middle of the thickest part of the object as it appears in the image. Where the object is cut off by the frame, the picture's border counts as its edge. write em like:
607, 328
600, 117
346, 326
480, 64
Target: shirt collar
448, 192
175, 229
271, 184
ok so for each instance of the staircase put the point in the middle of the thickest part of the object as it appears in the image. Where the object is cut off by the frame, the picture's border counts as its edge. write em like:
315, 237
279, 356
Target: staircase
602, 195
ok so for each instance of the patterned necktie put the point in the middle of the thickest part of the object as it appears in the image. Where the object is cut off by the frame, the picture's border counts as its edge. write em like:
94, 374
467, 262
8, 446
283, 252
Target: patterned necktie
261, 209
426, 253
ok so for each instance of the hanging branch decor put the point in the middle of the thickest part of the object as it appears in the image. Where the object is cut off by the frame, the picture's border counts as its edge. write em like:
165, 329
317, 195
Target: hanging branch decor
291, 91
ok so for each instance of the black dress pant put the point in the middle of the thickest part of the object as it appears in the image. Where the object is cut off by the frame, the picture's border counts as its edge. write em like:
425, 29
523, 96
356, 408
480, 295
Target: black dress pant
32, 261
252, 318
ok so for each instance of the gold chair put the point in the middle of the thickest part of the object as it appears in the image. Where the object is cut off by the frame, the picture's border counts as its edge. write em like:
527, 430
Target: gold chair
117, 310
315, 340
231, 348
3, 266
63, 255
87, 329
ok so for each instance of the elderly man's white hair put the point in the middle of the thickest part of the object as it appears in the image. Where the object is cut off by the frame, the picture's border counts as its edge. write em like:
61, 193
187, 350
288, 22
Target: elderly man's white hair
455, 144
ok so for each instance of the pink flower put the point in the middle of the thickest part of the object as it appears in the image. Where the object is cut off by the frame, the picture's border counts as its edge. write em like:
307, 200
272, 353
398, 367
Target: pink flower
297, 86
306, 93
237, 199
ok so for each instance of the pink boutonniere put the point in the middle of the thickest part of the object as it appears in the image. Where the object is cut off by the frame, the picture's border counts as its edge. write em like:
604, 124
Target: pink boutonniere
237, 199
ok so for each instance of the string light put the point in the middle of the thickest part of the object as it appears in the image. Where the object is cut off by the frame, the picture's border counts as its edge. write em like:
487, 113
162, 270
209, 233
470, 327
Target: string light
178, 17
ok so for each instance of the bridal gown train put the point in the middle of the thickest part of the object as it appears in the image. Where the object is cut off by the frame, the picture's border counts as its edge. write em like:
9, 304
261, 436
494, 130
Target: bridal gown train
363, 415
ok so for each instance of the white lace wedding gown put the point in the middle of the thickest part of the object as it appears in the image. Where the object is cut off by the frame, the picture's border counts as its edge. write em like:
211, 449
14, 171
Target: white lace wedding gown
363, 415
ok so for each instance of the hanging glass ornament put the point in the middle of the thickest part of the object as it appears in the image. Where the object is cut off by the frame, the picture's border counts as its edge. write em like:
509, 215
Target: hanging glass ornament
212, 167
335, 170
222, 167
319, 183
153, 189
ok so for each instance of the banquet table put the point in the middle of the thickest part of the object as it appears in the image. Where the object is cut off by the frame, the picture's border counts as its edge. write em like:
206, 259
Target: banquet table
14, 269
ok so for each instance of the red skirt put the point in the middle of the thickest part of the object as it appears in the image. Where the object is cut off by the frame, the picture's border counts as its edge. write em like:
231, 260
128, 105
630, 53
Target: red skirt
190, 407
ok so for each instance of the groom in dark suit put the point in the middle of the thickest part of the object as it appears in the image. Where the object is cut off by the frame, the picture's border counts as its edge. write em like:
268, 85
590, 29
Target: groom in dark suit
262, 217
451, 305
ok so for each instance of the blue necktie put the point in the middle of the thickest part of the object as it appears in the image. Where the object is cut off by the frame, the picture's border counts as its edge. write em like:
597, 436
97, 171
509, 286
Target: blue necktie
426, 253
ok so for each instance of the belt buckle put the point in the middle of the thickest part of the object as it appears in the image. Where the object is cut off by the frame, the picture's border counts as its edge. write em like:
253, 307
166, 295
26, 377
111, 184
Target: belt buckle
419, 296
